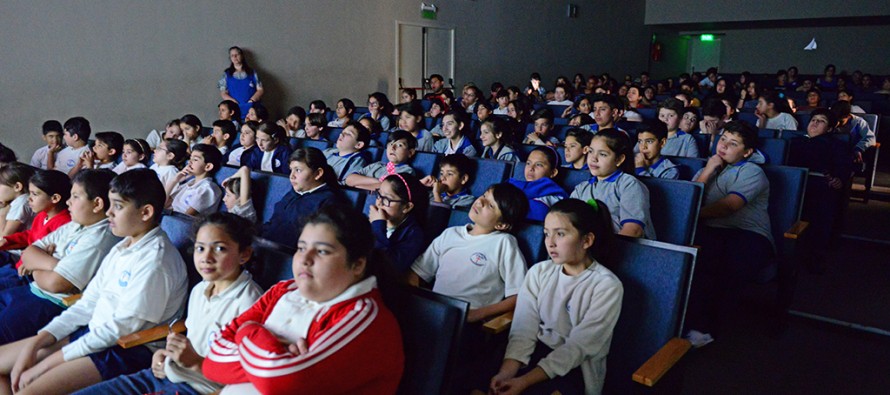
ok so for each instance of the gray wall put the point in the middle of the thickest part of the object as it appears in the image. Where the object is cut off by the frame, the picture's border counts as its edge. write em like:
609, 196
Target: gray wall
131, 65
709, 11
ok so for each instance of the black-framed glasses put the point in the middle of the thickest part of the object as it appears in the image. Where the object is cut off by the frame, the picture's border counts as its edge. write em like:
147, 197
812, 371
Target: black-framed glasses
385, 201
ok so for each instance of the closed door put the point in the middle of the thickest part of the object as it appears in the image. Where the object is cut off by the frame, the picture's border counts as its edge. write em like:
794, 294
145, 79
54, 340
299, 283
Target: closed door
422, 51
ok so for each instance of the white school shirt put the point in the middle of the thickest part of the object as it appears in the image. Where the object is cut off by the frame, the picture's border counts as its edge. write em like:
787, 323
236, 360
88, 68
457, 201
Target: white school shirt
573, 315
19, 210
154, 138
783, 121
266, 164
235, 157
207, 316
202, 195
122, 167
38, 160
138, 286
499, 111
246, 210
67, 158
482, 269
165, 172
79, 249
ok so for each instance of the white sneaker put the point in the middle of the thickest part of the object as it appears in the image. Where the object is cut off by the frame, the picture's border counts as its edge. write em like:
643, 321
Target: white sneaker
698, 339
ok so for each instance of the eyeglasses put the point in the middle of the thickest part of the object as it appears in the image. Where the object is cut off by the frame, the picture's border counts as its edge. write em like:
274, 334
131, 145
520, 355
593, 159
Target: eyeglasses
385, 201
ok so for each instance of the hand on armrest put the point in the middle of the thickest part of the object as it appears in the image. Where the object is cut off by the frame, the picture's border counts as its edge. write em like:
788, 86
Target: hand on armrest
498, 324
657, 365
149, 335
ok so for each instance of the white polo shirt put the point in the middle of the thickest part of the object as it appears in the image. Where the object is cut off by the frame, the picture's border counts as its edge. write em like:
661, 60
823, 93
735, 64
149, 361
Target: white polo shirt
67, 158
202, 195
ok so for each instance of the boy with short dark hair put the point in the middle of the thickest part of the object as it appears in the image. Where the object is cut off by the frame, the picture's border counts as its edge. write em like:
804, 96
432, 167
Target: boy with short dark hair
76, 135
223, 132
451, 187
861, 135
649, 162
543, 121
678, 143
140, 284
316, 123
607, 109
103, 155
347, 156
400, 149
52, 135
200, 195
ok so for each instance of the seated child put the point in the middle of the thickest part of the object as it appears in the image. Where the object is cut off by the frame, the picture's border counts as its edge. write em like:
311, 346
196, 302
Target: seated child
273, 152
133, 156
318, 107
411, 121
374, 128
171, 131
344, 110
379, 109
316, 127
612, 182
689, 120
222, 248
52, 136
452, 185
7, 155
328, 320
237, 195
348, 156
543, 120
63, 262
566, 310
436, 112
579, 120
736, 241
679, 143
561, 97
199, 195
223, 132
314, 185
773, 112
292, 122
257, 113
141, 283
246, 141
606, 110
503, 98
191, 130
576, 145
582, 105
496, 135
649, 162
400, 149
455, 126
396, 217
540, 189
15, 212
169, 157
76, 136
48, 191
484, 112
229, 111
861, 135
104, 155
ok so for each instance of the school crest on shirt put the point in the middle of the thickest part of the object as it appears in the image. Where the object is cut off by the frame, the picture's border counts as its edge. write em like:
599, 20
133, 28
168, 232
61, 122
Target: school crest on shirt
478, 259
124, 279
70, 247
277, 163
70, 162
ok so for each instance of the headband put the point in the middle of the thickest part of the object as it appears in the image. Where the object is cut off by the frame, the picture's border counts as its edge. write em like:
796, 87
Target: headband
405, 183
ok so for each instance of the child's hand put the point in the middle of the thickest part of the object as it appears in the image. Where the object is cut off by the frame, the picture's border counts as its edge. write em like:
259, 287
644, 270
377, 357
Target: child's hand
54, 147
428, 181
299, 348
640, 160
282, 123
157, 364
834, 182
715, 162
514, 385
24, 361
437, 187
184, 173
857, 157
375, 213
474, 315
566, 112
87, 159
180, 350
209, 140
744, 94
708, 126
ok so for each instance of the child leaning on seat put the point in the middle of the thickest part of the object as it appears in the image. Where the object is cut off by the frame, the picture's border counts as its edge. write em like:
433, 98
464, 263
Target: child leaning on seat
141, 283
222, 249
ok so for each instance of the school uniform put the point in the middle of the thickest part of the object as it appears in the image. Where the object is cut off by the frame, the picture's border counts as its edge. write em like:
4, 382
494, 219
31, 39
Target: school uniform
662, 168
747, 181
572, 166
67, 158
504, 153
379, 170
464, 146
500, 111
625, 196
40, 227
345, 165
122, 167
202, 195
154, 138
458, 200
79, 249
165, 173
783, 121
572, 316
402, 244
291, 212
139, 285
383, 120
682, 144
207, 315
246, 210
276, 161
354, 333
337, 123
38, 160
424, 140
19, 210
234, 158
541, 194
480, 269
861, 135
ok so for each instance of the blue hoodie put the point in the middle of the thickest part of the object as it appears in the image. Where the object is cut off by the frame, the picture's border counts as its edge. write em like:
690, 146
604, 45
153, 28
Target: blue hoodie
541, 195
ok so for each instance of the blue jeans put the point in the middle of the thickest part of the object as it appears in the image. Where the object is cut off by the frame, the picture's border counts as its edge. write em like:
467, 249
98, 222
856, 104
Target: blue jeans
22, 313
142, 382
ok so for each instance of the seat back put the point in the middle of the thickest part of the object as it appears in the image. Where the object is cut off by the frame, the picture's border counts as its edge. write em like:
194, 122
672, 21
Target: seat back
425, 163
787, 186
487, 173
687, 167
702, 141
775, 150
431, 326
656, 278
749, 117
674, 206
273, 263
375, 153
872, 121
180, 229
334, 134
648, 113
355, 196
803, 120
309, 143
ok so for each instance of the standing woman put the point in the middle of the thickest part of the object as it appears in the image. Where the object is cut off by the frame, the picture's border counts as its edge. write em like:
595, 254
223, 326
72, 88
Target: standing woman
240, 83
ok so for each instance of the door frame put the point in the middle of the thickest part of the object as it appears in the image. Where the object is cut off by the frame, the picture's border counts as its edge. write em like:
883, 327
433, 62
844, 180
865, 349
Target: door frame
433, 25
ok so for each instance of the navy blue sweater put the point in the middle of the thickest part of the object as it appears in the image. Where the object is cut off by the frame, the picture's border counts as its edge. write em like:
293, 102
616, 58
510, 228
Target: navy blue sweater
253, 158
405, 244
292, 210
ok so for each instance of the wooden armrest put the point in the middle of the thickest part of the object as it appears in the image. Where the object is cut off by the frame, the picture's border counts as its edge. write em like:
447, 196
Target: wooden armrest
498, 324
657, 365
149, 335
796, 230
69, 301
